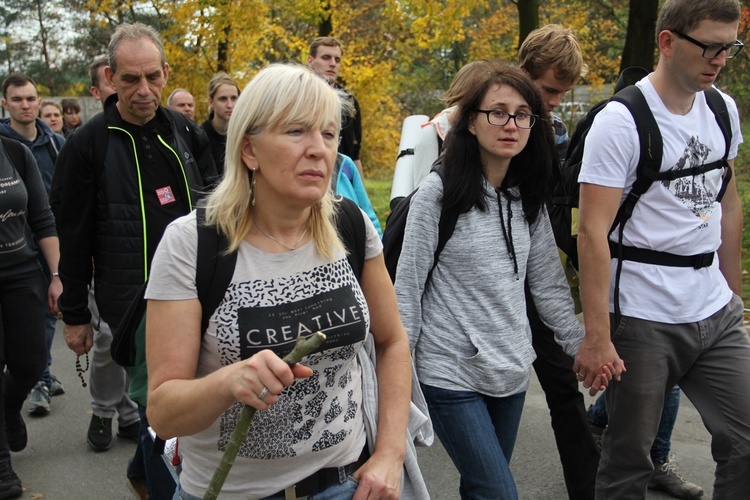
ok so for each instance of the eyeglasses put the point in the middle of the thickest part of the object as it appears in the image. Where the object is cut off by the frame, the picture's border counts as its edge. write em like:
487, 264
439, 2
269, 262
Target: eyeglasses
499, 118
715, 49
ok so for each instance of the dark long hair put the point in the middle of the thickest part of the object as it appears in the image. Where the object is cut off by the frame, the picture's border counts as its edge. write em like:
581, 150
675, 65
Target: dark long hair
530, 171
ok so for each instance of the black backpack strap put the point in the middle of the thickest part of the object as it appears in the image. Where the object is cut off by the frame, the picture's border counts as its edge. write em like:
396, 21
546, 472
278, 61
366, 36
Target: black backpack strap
719, 107
16, 154
647, 171
446, 226
395, 226
651, 150
214, 268
351, 227
648, 256
393, 234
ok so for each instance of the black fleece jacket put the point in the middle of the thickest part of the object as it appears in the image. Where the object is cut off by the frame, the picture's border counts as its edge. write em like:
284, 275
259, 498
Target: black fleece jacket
108, 211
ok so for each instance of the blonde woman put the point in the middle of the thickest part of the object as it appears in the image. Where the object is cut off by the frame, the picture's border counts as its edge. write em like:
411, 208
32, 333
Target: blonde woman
223, 93
316, 431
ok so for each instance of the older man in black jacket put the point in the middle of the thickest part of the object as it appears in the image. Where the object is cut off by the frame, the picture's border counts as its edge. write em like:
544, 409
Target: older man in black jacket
123, 177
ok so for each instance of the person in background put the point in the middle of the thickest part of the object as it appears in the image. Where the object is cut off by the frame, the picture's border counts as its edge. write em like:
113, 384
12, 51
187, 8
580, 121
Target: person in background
114, 208
316, 433
346, 181
325, 60
26, 294
182, 101
51, 113
466, 317
21, 101
223, 93
100, 88
71, 115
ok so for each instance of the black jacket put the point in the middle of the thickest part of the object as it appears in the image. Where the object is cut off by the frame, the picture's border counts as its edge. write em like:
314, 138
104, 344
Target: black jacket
350, 137
100, 211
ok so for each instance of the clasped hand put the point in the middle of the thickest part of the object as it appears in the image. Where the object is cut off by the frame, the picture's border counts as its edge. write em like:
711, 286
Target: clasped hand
596, 364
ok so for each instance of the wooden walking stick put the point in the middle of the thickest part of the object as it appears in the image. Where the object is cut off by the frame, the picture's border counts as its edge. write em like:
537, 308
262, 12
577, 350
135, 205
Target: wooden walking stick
302, 348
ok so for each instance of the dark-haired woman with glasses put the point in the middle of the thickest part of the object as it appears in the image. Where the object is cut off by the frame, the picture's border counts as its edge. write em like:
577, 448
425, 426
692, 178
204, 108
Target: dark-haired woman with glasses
466, 319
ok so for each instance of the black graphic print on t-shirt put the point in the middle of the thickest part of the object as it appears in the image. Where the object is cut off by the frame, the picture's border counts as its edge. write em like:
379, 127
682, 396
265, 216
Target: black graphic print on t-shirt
318, 413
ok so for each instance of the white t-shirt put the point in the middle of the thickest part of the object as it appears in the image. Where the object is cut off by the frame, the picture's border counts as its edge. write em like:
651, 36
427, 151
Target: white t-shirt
681, 216
317, 422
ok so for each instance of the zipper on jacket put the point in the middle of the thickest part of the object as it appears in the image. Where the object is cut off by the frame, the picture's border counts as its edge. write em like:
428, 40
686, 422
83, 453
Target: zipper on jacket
140, 197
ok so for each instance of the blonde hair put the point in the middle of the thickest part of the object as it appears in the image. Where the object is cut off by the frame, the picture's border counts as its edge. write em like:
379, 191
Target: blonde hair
552, 46
218, 80
280, 94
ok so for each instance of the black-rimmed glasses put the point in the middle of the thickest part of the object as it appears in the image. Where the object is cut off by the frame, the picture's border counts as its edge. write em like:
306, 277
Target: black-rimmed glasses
500, 118
715, 49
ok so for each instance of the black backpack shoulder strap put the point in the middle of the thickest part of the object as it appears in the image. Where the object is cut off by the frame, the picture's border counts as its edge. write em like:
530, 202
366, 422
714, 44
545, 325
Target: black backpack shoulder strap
395, 226
719, 107
446, 226
215, 268
16, 154
651, 149
393, 234
351, 228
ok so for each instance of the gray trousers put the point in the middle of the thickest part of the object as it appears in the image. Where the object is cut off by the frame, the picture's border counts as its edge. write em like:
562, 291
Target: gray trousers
710, 360
108, 382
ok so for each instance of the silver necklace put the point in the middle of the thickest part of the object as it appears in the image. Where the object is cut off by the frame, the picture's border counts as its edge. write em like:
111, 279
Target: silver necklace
290, 248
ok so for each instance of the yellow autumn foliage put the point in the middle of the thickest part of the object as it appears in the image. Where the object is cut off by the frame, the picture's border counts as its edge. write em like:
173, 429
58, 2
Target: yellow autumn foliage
399, 55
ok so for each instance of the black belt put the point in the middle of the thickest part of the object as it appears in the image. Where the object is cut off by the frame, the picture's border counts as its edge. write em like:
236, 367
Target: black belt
324, 478
646, 256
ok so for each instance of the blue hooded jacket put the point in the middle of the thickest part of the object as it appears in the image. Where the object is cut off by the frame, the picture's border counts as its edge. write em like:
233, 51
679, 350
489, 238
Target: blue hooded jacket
45, 147
349, 184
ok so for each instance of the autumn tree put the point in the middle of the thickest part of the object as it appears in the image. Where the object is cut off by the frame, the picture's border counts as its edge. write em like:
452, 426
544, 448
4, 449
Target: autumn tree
528, 18
640, 42
399, 55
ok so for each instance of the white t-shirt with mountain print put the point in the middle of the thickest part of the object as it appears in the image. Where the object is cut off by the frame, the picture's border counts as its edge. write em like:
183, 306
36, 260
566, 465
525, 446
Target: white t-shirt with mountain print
680, 216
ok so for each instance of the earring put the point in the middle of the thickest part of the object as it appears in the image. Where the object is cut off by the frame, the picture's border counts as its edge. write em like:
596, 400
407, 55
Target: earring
252, 189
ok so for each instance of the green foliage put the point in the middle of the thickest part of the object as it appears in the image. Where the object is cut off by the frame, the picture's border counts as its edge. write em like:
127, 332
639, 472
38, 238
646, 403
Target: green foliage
733, 77
742, 177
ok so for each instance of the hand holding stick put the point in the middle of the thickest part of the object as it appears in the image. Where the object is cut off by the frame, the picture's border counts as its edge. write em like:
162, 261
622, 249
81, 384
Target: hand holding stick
302, 348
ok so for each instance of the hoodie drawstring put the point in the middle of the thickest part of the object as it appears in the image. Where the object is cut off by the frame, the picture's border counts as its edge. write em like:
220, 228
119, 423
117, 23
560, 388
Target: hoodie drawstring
507, 232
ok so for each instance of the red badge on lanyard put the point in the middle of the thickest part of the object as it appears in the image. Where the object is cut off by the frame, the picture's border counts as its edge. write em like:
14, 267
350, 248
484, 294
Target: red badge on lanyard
165, 195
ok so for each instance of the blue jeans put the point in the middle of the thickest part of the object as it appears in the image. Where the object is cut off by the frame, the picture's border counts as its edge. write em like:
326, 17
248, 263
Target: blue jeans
50, 321
340, 491
146, 463
465, 422
663, 441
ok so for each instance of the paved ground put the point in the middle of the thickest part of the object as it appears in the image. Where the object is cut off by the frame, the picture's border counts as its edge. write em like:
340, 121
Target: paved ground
58, 464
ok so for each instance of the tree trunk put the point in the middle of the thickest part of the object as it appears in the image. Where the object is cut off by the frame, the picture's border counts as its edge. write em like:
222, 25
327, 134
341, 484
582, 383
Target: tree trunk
325, 27
528, 18
222, 63
640, 41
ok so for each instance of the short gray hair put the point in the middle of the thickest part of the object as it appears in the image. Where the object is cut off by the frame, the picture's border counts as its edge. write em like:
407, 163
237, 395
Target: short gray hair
175, 92
134, 32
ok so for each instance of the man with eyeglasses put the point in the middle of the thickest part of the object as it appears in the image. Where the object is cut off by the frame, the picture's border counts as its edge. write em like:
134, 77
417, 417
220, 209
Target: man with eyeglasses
677, 324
